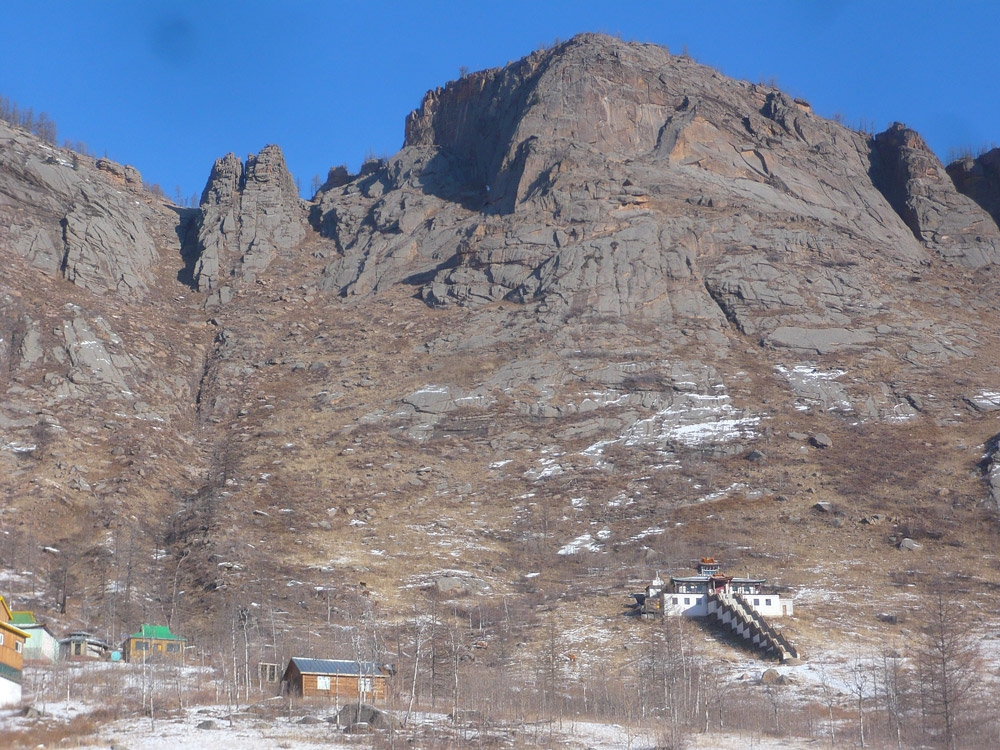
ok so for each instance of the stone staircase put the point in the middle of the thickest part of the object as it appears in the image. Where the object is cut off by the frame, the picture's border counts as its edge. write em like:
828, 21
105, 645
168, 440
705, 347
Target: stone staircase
738, 617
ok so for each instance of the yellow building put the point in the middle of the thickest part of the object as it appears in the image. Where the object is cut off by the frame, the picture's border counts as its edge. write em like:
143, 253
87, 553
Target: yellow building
154, 642
12, 640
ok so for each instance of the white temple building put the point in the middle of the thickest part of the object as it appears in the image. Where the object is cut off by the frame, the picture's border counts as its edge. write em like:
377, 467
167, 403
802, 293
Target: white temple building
689, 595
740, 605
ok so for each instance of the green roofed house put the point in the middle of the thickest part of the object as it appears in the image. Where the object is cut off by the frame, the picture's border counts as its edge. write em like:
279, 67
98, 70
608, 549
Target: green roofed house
42, 646
154, 642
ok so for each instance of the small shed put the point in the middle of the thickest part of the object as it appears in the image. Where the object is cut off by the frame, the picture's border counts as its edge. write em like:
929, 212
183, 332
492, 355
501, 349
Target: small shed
42, 646
335, 679
80, 645
154, 642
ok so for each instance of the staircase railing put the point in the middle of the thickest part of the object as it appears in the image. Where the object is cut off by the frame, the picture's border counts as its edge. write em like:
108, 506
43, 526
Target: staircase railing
748, 624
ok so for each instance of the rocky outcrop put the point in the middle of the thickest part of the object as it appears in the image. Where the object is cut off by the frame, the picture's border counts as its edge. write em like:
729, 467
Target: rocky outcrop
595, 291
979, 179
249, 213
990, 467
605, 179
66, 214
917, 186
106, 250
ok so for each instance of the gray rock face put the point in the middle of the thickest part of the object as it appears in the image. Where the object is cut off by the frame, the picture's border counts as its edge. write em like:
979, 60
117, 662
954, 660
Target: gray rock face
916, 184
820, 340
979, 178
106, 251
604, 180
67, 214
248, 214
586, 289
990, 466
90, 359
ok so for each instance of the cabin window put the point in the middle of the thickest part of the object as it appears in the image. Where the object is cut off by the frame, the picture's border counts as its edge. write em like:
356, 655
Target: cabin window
323, 682
675, 600
687, 599
1, 639
364, 684
268, 672
140, 646
77, 649
18, 646
756, 602
173, 648
767, 602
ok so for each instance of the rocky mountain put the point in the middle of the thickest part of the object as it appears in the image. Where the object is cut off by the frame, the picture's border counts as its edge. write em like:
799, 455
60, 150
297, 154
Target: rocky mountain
605, 311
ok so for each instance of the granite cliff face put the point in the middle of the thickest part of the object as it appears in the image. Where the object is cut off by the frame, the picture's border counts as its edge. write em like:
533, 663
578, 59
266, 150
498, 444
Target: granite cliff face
88, 221
248, 213
594, 290
979, 178
609, 179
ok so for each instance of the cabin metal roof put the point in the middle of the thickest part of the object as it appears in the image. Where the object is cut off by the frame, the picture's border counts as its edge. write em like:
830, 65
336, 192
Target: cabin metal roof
82, 635
336, 667
157, 632
22, 617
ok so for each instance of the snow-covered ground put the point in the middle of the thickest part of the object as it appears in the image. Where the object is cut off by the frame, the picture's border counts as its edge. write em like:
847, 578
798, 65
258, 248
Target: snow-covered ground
248, 732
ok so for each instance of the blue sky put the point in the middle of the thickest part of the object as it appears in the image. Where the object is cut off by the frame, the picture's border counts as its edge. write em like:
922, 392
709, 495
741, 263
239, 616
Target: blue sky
170, 85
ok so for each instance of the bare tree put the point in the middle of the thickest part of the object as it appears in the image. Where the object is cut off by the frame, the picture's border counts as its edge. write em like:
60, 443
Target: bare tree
893, 690
948, 665
830, 699
858, 681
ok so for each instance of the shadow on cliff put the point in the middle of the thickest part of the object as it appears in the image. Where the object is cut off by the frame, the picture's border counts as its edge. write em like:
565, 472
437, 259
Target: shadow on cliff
887, 171
979, 179
474, 123
186, 230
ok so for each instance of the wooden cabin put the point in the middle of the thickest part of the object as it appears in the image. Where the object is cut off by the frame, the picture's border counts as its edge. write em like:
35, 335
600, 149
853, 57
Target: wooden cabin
12, 640
154, 642
42, 646
335, 680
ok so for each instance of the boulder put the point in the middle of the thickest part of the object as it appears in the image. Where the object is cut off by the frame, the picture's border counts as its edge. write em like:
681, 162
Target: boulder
363, 713
771, 677
459, 586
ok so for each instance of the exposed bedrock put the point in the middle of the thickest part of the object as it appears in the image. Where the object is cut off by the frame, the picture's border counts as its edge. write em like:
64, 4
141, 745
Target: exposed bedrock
601, 178
71, 215
919, 188
979, 178
249, 212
